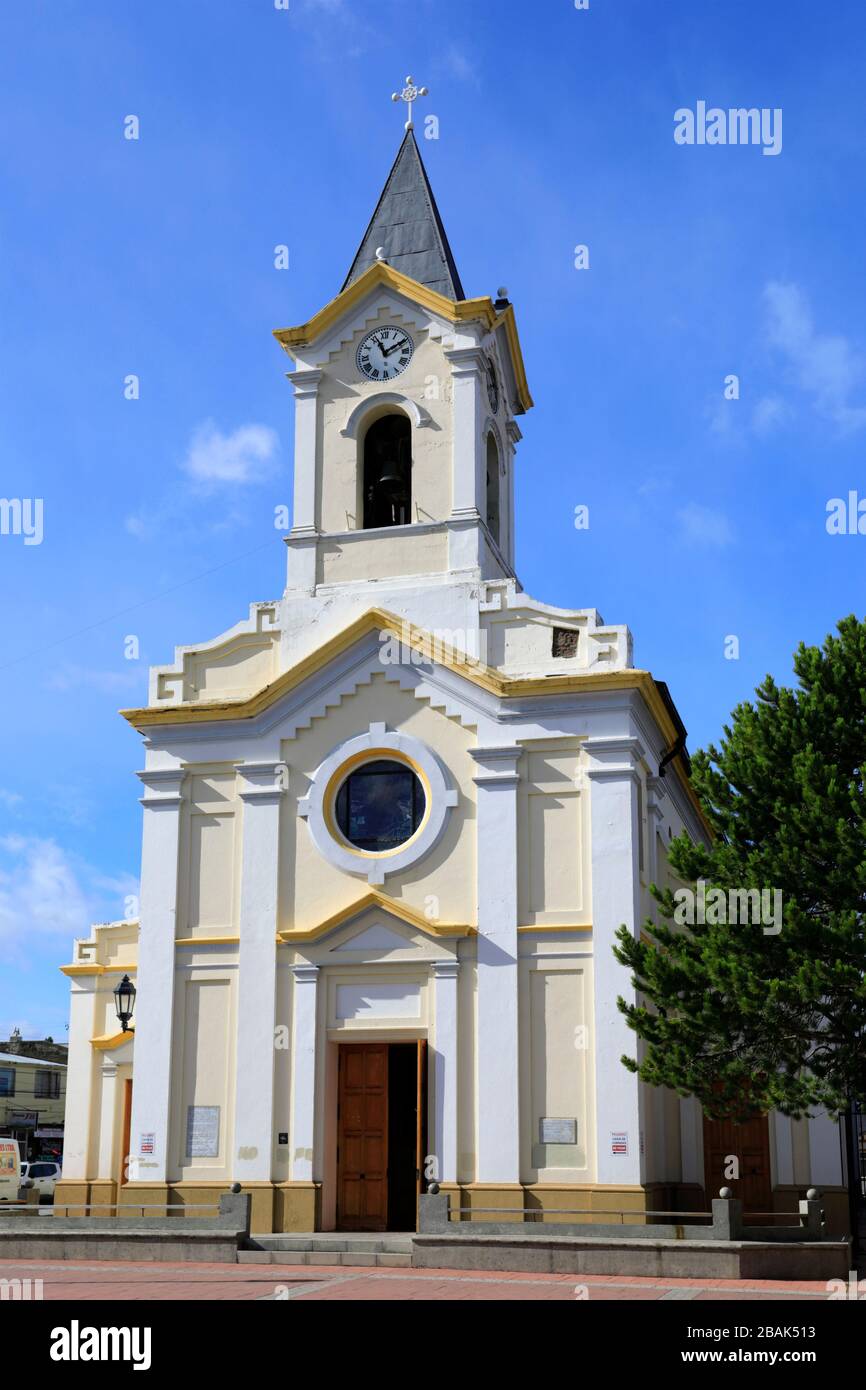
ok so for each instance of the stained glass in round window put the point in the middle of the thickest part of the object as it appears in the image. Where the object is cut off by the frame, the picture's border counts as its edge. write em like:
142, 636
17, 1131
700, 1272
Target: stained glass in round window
380, 805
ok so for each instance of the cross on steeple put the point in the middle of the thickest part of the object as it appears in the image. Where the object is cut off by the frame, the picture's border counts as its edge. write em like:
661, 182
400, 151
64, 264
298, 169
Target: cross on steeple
410, 95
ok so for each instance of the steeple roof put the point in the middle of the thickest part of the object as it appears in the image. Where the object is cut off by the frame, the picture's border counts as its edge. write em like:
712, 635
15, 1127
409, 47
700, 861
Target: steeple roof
407, 225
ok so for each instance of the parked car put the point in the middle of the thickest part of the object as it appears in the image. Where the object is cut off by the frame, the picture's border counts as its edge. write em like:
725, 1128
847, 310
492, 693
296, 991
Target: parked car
43, 1174
11, 1170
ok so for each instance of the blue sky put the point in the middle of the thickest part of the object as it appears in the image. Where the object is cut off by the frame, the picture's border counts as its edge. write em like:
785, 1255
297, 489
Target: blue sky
261, 127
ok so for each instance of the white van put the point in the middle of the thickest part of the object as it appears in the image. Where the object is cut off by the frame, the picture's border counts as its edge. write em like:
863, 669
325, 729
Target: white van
10, 1170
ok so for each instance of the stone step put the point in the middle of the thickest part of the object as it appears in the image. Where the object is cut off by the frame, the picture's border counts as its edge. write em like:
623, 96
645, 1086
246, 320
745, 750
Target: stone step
379, 1243
359, 1259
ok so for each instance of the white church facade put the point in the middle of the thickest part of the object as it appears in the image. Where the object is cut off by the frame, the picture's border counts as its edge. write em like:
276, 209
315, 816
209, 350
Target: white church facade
391, 823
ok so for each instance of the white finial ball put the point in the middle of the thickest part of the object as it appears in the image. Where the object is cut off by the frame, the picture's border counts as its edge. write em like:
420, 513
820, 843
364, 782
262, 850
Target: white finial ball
380, 253
502, 292
423, 91
395, 96
409, 82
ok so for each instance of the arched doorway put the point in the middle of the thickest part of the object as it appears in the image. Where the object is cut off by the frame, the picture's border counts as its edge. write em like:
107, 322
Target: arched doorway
387, 472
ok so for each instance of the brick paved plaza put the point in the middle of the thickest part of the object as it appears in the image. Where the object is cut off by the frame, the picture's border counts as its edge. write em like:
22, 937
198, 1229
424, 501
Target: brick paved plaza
120, 1281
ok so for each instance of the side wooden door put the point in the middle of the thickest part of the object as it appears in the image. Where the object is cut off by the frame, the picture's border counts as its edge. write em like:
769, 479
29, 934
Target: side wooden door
749, 1143
362, 1142
420, 1120
127, 1124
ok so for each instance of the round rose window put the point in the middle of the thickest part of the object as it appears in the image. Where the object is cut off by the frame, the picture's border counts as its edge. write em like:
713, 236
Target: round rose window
380, 806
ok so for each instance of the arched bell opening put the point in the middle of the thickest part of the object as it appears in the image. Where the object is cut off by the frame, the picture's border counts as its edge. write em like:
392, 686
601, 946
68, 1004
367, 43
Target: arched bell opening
387, 486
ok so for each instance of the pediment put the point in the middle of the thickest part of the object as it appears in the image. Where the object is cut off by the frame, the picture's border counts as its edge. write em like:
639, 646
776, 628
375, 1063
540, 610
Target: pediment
377, 928
377, 937
446, 677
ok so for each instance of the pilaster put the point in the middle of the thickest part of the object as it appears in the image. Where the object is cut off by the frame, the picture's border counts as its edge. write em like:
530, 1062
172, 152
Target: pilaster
154, 1012
262, 786
303, 537
468, 480
498, 1091
304, 1071
445, 1075
107, 1117
614, 813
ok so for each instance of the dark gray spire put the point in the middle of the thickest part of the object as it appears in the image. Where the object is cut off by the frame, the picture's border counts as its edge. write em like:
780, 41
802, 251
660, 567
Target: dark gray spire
407, 224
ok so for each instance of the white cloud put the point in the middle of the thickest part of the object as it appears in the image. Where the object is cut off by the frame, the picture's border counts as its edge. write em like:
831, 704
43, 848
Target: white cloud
45, 893
701, 526
769, 412
244, 456
824, 365
461, 67
10, 799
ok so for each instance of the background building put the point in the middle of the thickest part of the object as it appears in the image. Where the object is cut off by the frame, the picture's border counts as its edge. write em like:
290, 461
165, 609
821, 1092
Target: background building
33, 1095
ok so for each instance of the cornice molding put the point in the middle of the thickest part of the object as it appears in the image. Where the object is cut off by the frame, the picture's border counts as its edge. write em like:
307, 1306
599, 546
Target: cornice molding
163, 787
497, 764
374, 900
265, 782
479, 310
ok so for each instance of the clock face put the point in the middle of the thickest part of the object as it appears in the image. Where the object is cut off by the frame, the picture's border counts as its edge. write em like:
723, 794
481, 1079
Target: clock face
385, 353
492, 387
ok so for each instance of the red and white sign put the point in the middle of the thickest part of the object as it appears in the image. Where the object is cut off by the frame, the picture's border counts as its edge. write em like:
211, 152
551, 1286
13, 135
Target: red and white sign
619, 1142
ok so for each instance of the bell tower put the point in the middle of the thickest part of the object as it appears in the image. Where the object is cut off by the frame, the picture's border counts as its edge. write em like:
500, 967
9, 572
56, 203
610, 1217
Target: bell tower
407, 395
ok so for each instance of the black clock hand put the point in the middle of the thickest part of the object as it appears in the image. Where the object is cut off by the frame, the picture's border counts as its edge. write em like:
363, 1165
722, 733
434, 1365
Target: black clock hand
386, 352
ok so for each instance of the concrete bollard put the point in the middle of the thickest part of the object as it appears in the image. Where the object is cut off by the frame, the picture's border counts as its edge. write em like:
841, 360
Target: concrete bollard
236, 1211
727, 1216
433, 1213
812, 1214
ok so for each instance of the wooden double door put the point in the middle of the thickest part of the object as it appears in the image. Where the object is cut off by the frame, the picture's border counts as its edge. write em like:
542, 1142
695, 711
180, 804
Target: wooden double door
381, 1135
749, 1143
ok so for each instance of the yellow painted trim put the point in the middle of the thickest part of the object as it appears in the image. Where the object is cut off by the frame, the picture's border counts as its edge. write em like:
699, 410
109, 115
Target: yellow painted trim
207, 941
107, 1042
379, 619
564, 926
485, 677
463, 311
339, 777
374, 899
73, 970
374, 619
509, 323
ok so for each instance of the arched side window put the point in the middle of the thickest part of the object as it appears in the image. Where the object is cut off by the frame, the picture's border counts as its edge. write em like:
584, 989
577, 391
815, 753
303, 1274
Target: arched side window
492, 517
388, 472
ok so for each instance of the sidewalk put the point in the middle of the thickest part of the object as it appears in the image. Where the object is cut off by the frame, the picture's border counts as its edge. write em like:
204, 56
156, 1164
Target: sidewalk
122, 1281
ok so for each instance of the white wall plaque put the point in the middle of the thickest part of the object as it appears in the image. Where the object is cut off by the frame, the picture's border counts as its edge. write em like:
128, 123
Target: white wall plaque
558, 1131
202, 1131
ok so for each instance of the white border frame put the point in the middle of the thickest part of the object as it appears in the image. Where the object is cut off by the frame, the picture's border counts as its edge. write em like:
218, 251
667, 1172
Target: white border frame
363, 864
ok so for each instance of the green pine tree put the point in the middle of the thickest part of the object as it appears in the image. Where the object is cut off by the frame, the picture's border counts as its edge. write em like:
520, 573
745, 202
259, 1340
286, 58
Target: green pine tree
741, 1017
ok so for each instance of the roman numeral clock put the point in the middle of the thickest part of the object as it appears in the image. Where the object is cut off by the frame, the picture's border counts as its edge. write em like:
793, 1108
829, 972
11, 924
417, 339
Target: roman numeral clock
385, 353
